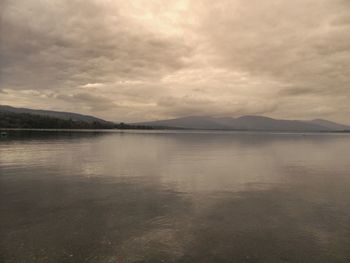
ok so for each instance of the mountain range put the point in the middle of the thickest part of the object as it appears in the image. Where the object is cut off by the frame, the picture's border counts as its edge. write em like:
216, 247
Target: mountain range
248, 122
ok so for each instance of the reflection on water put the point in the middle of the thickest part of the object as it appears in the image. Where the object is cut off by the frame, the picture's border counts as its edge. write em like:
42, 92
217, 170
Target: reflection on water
174, 197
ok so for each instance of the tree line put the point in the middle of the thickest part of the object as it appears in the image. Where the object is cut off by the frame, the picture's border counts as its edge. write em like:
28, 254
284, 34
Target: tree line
31, 121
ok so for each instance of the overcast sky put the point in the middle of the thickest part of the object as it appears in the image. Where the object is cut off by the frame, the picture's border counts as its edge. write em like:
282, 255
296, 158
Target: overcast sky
145, 60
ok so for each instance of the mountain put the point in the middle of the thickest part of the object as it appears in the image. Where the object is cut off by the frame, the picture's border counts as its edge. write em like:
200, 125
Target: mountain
254, 123
331, 125
22, 118
11, 117
192, 122
54, 114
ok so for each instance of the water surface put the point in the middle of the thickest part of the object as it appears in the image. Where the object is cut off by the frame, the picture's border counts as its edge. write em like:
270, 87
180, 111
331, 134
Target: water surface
174, 197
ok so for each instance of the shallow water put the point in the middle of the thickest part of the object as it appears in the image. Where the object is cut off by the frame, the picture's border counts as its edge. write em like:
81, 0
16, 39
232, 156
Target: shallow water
174, 197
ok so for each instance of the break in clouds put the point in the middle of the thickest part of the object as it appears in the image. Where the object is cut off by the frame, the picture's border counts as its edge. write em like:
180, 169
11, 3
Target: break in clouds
145, 60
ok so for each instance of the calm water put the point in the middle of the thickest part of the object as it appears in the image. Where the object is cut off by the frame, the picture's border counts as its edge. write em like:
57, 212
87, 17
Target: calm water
174, 197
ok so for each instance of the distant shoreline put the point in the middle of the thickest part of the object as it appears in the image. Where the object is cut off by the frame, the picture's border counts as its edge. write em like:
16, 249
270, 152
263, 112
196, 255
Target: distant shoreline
29, 119
171, 130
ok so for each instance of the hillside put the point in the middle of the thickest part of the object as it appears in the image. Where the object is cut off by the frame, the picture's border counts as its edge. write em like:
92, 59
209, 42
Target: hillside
11, 117
254, 123
33, 121
55, 114
22, 118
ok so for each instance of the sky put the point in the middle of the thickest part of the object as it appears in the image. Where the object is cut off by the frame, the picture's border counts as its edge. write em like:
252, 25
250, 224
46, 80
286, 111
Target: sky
156, 59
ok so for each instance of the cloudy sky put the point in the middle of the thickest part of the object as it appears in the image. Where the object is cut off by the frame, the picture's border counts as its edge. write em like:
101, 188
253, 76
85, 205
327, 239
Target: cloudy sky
154, 59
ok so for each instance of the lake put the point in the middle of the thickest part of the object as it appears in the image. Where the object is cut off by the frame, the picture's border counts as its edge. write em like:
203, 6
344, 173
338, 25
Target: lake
174, 196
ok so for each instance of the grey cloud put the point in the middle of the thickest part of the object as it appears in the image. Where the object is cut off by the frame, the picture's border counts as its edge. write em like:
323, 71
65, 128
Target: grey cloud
297, 91
152, 59
287, 40
95, 103
343, 20
182, 106
60, 43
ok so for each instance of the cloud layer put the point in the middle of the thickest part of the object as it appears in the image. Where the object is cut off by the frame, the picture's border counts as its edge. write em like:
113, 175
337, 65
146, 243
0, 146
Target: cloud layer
159, 59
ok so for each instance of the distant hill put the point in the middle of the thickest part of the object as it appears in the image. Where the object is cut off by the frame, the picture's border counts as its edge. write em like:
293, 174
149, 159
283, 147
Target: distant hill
330, 125
55, 114
22, 118
11, 117
253, 123
31, 121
